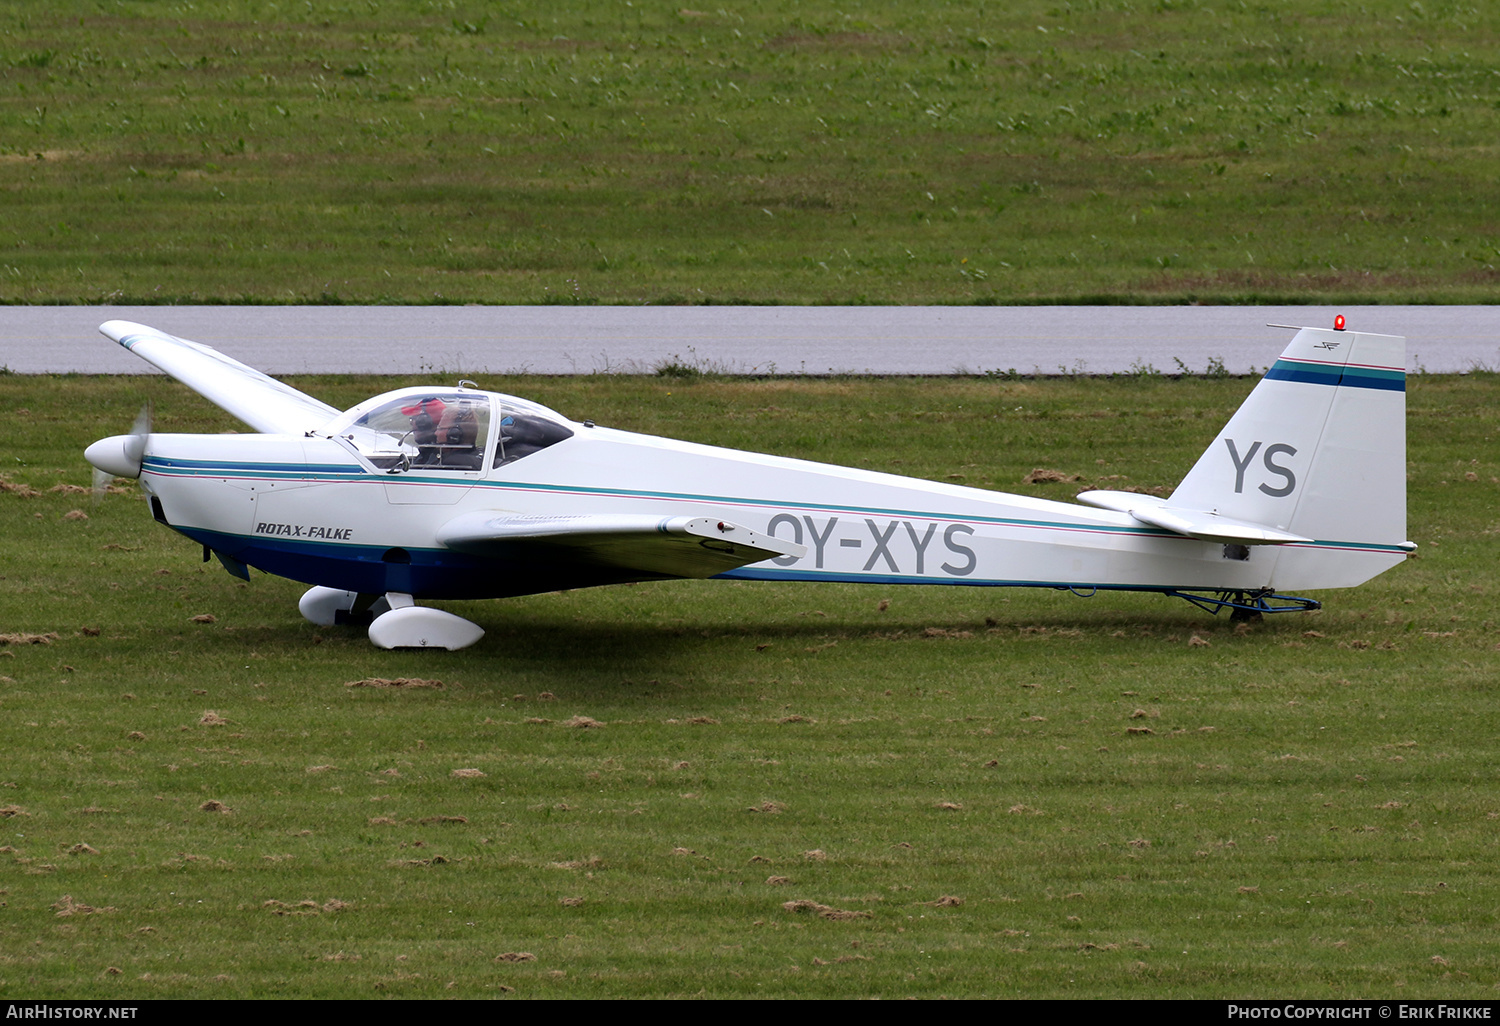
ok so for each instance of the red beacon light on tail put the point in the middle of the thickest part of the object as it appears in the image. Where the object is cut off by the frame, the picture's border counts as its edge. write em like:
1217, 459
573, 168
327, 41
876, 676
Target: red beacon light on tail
1338, 323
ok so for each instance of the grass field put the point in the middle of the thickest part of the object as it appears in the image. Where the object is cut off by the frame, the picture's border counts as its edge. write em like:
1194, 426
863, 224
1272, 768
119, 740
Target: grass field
864, 152
728, 789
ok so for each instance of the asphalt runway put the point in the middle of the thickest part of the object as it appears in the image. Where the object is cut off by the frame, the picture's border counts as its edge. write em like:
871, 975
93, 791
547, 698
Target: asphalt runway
441, 342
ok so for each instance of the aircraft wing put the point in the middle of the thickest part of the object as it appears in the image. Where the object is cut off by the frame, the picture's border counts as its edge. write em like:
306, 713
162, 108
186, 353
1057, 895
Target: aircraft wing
655, 546
262, 402
1201, 524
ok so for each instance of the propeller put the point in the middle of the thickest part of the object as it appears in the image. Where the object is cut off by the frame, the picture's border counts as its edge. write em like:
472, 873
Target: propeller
119, 455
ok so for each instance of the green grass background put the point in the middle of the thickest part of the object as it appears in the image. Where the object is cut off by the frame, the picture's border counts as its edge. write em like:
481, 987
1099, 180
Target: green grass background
1314, 812
864, 152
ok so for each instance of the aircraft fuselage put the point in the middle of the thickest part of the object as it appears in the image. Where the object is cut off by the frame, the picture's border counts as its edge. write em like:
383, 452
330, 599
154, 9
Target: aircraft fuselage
312, 509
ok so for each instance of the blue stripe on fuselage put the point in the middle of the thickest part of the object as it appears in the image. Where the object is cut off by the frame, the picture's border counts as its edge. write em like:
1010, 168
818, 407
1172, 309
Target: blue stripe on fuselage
179, 467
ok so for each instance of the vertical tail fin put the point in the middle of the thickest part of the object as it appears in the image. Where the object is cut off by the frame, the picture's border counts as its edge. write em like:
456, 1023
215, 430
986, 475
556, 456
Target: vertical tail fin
1317, 450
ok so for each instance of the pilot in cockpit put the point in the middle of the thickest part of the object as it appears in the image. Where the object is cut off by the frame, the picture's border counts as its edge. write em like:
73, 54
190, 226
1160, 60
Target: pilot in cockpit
445, 434
426, 415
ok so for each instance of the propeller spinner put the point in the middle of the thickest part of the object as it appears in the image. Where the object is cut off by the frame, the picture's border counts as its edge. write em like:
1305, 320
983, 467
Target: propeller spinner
119, 455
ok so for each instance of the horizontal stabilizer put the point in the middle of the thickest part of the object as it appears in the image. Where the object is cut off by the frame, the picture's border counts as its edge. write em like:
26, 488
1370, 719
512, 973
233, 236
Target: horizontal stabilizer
1201, 524
653, 546
257, 399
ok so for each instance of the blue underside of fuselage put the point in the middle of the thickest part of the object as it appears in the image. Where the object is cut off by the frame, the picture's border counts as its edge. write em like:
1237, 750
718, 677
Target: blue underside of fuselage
423, 573
444, 574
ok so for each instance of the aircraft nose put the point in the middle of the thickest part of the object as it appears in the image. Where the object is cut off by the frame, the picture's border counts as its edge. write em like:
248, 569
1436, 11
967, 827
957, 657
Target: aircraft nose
119, 455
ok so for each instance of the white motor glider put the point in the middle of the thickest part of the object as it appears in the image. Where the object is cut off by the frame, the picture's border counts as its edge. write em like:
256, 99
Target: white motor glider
433, 493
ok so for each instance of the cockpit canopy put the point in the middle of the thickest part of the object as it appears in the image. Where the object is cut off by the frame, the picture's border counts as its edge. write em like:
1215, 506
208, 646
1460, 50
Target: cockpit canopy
525, 428
447, 429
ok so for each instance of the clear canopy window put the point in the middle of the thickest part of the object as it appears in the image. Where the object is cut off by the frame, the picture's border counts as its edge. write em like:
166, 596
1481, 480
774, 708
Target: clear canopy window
435, 431
525, 429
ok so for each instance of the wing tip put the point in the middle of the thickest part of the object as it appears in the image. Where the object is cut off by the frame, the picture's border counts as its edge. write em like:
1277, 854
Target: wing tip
123, 331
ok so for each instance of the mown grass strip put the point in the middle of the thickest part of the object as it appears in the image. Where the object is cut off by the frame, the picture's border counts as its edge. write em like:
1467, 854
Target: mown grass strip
659, 790
237, 151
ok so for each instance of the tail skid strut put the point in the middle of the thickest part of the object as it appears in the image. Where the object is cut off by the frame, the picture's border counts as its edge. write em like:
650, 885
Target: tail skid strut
1243, 605
1247, 605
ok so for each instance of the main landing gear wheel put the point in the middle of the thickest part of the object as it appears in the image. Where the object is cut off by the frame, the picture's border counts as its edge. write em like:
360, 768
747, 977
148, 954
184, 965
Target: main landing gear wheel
327, 607
395, 621
413, 626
